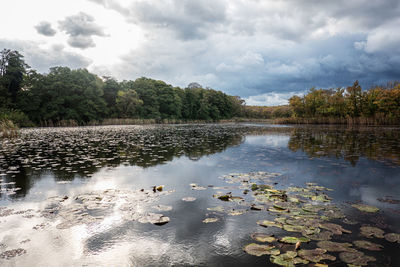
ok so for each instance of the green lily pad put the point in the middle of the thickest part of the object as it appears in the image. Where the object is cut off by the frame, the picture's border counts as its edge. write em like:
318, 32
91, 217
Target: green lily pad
356, 258
293, 228
335, 246
393, 237
217, 208
256, 207
210, 220
259, 250
350, 222
236, 212
312, 208
261, 237
188, 199
367, 245
321, 236
315, 255
287, 259
266, 223
321, 198
370, 231
365, 208
294, 240
336, 229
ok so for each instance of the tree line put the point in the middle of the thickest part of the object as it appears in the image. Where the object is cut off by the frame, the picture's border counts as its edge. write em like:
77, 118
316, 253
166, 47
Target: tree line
379, 104
63, 94
30, 98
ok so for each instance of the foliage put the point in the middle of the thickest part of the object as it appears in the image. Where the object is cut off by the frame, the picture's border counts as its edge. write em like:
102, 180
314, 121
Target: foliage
8, 129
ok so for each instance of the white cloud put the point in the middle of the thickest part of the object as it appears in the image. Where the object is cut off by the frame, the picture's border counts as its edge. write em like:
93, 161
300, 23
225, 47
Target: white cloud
270, 99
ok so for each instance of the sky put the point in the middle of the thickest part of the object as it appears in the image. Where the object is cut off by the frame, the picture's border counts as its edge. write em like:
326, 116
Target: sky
261, 50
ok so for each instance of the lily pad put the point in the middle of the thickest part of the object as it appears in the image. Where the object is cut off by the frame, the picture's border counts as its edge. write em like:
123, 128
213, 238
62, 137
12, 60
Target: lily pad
371, 231
393, 237
217, 208
356, 258
236, 212
259, 250
335, 246
163, 207
8, 254
367, 245
336, 229
321, 236
315, 255
266, 223
293, 228
294, 240
288, 259
154, 218
261, 237
189, 199
210, 220
365, 208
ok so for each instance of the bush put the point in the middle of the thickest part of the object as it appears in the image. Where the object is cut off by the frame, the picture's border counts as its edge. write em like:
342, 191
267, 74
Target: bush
16, 116
8, 129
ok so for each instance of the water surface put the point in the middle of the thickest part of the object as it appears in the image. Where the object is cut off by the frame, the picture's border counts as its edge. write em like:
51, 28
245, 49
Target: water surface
81, 196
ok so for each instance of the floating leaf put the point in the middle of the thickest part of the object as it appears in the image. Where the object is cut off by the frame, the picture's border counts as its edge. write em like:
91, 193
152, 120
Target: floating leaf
210, 220
267, 223
335, 246
287, 259
261, 237
365, 208
163, 207
256, 207
321, 236
370, 231
236, 212
351, 222
393, 237
293, 228
294, 240
259, 250
315, 255
189, 199
154, 218
356, 258
8, 254
367, 245
217, 208
336, 229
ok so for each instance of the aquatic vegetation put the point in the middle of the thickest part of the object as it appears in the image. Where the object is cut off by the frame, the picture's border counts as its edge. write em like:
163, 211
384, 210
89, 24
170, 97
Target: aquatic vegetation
210, 220
294, 240
365, 208
261, 237
335, 246
189, 199
259, 250
8, 254
288, 259
367, 245
356, 258
392, 237
371, 231
315, 255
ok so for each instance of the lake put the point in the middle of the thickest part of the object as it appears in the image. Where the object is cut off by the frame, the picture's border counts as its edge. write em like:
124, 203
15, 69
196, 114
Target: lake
198, 195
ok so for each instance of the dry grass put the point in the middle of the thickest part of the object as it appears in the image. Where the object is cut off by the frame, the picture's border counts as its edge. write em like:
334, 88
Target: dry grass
8, 129
377, 120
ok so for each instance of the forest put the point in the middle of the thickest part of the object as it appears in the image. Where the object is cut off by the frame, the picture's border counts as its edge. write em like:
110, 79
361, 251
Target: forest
65, 96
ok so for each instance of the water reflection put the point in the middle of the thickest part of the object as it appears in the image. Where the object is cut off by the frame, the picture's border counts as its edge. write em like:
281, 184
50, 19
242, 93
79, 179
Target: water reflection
359, 164
347, 143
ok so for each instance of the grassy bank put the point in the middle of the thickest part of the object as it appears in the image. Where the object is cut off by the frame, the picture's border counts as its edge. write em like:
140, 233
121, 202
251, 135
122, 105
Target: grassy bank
378, 120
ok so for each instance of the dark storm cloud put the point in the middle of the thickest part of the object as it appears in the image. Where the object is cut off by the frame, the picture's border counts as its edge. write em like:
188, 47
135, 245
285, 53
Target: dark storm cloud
45, 29
80, 28
42, 59
252, 48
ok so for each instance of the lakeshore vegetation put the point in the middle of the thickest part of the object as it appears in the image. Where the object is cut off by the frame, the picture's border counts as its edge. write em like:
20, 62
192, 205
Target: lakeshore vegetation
65, 97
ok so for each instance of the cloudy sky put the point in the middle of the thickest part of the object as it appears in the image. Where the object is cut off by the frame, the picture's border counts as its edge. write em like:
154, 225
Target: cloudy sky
262, 50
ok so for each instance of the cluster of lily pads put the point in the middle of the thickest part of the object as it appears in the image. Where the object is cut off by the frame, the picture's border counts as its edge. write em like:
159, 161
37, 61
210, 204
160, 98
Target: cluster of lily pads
306, 213
81, 151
